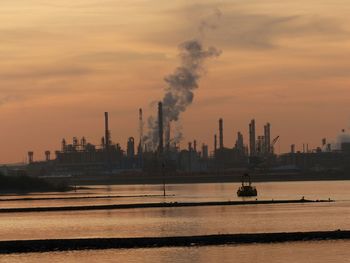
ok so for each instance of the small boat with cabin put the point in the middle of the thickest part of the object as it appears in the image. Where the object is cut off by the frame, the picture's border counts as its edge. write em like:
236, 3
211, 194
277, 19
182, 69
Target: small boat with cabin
246, 188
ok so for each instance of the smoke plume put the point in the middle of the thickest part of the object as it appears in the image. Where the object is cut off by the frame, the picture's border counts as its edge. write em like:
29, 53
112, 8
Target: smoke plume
180, 86
343, 137
184, 80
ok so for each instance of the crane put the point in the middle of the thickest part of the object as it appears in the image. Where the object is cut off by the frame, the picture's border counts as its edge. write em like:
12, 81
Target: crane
274, 141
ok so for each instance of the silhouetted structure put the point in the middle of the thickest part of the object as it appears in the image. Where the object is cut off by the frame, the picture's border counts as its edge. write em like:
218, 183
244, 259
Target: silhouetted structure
221, 133
160, 128
252, 142
267, 138
81, 157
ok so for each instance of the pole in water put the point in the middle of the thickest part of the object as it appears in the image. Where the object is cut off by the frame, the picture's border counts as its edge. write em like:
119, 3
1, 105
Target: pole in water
163, 175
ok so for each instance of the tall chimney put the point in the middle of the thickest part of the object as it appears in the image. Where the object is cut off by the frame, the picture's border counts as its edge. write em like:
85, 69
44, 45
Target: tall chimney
160, 127
30, 157
215, 144
64, 145
252, 140
239, 142
292, 148
107, 138
267, 138
221, 133
141, 130
195, 145
47, 155
167, 136
205, 151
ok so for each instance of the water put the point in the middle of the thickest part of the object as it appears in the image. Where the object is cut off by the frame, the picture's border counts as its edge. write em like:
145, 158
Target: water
185, 221
300, 252
338, 190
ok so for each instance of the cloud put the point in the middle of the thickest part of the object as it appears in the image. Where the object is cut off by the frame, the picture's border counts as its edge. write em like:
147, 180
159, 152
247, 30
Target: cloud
20, 34
235, 28
318, 70
9, 98
117, 56
214, 101
264, 31
44, 73
31, 83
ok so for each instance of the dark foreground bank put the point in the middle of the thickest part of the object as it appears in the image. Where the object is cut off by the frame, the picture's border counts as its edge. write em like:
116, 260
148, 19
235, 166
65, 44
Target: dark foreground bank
22, 184
155, 205
22, 246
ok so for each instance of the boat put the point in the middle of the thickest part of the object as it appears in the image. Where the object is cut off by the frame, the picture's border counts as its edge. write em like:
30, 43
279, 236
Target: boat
246, 188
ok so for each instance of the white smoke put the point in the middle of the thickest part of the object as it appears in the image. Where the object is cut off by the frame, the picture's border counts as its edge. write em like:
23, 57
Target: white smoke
210, 22
184, 80
180, 86
343, 137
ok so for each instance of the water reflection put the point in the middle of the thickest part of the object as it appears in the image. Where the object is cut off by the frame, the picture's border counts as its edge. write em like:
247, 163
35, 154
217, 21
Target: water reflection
185, 220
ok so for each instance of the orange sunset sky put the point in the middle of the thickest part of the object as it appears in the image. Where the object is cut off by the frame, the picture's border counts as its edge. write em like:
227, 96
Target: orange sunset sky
63, 63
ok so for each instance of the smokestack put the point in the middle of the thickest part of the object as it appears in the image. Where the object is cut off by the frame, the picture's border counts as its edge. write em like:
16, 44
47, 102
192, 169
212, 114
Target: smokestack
267, 138
181, 84
30, 157
205, 151
107, 139
221, 133
83, 143
141, 130
195, 145
252, 140
190, 156
292, 148
160, 127
130, 150
239, 142
167, 136
64, 145
215, 144
47, 155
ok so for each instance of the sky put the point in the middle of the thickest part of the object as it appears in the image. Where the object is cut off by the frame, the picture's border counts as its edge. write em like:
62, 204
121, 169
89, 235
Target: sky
64, 63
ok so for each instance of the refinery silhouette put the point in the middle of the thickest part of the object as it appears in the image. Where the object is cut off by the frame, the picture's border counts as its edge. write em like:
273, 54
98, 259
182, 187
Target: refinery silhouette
161, 153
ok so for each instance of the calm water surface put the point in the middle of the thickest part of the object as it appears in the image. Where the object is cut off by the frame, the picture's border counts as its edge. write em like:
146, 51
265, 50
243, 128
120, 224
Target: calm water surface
182, 221
186, 221
299, 252
338, 190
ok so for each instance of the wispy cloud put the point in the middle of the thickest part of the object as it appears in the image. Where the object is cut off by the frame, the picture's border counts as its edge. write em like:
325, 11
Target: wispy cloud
44, 73
214, 101
117, 56
9, 98
240, 29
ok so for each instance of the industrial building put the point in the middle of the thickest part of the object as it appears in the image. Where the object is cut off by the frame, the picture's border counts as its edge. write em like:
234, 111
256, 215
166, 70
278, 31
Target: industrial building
317, 160
81, 157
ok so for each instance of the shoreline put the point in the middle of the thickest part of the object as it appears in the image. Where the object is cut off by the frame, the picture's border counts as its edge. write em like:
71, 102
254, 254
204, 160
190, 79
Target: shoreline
76, 197
156, 205
143, 179
27, 246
